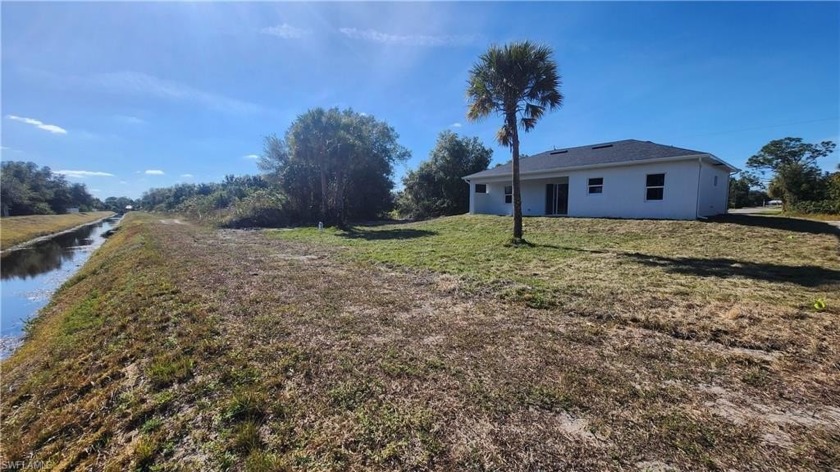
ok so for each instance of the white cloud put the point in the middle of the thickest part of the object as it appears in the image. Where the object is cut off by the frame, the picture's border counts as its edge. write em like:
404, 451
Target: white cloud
154, 172
141, 84
251, 156
455, 125
286, 31
124, 182
81, 174
407, 39
131, 120
187, 176
38, 124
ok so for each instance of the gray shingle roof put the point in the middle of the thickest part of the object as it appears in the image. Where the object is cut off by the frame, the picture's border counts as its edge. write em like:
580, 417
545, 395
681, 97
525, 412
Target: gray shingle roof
617, 152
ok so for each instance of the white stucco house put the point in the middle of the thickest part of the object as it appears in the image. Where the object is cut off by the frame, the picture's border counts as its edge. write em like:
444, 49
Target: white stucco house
621, 179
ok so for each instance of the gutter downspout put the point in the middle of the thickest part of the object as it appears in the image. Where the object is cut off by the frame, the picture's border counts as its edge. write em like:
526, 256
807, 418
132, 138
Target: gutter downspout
697, 202
471, 209
728, 184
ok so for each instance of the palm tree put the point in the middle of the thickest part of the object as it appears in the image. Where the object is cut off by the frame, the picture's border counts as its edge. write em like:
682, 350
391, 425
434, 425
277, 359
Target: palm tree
518, 81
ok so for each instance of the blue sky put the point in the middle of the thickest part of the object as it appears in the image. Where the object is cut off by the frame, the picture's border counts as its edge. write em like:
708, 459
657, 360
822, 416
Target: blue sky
128, 96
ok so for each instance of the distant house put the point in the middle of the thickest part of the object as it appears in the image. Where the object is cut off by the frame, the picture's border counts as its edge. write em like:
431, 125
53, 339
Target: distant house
73, 210
622, 179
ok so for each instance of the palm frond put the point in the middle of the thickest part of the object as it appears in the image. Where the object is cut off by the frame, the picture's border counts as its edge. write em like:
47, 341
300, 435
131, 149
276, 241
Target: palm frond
518, 78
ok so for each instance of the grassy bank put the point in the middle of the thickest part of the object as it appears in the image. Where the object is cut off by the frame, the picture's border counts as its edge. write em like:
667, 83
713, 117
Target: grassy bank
418, 347
807, 216
814, 216
19, 229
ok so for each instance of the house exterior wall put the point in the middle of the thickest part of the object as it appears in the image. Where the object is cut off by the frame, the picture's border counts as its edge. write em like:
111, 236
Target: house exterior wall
533, 195
713, 195
624, 192
492, 202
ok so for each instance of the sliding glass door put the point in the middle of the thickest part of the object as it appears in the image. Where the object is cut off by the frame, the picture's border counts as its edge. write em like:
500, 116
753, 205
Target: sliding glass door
557, 199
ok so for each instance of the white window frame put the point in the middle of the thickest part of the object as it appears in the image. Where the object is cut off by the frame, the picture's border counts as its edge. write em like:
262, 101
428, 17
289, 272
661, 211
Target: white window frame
648, 187
508, 194
590, 186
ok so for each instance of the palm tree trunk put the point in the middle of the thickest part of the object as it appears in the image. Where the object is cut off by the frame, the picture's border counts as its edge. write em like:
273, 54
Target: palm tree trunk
517, 195
324, 195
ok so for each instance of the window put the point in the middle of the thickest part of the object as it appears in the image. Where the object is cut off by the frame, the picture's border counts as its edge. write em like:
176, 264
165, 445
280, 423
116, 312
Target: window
480, 188
596, 185
508, 194
655, 187
715, 181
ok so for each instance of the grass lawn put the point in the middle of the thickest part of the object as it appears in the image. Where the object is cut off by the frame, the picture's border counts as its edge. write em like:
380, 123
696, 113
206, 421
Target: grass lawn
19, 229
737, 280
607, 345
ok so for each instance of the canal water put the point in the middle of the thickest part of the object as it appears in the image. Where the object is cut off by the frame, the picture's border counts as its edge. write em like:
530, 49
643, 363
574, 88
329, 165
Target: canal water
29, 276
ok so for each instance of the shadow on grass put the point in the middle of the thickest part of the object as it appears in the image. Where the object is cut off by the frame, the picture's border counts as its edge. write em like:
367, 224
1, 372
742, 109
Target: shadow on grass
572, 249
779, 222
806, 276
374, 223
386, 234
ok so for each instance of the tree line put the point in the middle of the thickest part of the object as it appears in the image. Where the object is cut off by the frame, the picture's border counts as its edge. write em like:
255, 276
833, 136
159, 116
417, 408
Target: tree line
27, 189
332, 166
795, 178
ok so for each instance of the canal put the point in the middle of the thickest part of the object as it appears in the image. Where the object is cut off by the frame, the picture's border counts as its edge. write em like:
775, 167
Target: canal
29, 276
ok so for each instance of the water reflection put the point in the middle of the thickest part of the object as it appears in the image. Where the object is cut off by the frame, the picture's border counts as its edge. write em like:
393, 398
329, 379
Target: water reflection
31, 275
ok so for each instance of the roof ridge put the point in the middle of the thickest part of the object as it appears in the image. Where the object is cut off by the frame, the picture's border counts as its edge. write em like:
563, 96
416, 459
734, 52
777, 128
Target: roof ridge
605, 153
597, 144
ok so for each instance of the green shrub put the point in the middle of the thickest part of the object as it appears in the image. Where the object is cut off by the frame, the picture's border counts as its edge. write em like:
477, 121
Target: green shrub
819, 206
264, 208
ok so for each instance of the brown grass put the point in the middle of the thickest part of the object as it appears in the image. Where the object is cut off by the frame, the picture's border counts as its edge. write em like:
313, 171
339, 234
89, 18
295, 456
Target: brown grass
15, 230
273, 354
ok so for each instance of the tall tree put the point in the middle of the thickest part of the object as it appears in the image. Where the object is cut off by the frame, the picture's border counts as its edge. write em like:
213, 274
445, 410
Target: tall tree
335, 165
793, 163
518, 81
436, 187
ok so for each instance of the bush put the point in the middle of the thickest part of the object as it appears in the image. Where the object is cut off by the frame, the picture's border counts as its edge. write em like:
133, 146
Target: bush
263, 208
819, 206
